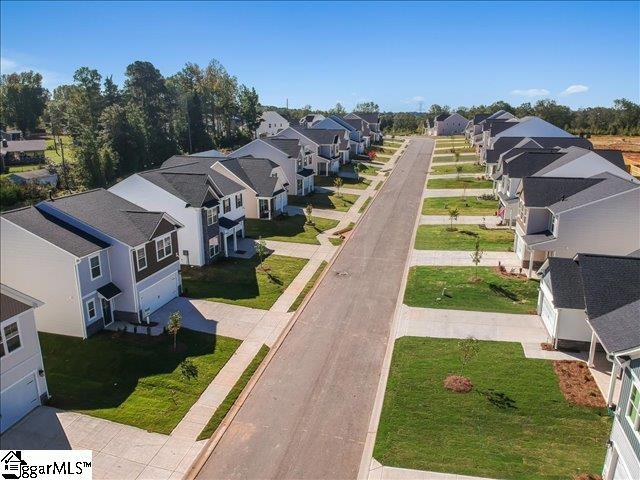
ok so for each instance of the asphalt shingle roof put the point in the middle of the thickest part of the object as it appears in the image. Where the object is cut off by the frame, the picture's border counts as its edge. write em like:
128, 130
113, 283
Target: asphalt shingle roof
369, 117
111, 214
566, 283
546, 191
289, 146
611, 286
478, 117
10, 307
442, 116
320, 136
255, 172
23, 146
55, 231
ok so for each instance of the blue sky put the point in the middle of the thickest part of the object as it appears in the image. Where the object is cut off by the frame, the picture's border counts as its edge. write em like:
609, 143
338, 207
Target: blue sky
396, 54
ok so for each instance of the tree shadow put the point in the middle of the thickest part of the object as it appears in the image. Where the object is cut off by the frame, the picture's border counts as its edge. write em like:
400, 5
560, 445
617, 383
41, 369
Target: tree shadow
498, 399
503, 292
469, 233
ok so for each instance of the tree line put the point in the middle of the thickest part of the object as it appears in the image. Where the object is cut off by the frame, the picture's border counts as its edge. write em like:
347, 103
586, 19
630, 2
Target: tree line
116, 130
623, 118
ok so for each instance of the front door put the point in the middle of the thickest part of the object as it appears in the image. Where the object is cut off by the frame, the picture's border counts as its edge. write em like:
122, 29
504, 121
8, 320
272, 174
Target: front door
263, 205
107, 315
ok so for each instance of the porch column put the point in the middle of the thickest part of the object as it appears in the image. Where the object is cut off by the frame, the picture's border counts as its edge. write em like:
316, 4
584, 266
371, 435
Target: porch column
235, 240
510, 217
592, 350
612, 382
531, 263
226, 247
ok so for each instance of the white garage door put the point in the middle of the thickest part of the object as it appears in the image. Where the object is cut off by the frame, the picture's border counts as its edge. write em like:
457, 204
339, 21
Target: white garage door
17, 401
154, 297
548, 315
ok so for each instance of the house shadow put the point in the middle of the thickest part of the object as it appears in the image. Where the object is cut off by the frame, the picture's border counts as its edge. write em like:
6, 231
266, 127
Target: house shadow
41, 429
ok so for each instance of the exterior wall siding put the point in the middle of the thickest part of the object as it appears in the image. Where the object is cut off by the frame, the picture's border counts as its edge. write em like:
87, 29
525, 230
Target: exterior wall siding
208, 232
87, 284
623, 437
153, 264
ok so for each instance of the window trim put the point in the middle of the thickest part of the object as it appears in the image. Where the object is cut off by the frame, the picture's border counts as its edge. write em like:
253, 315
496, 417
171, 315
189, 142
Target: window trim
216, 247
164, 248
239, 195
224, 208
99, 266
3, 338
214, 212
95, 309
635, 425
146, 264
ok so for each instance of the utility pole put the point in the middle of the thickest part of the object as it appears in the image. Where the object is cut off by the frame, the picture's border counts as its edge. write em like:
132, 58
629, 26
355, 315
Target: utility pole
287, 104
420, 103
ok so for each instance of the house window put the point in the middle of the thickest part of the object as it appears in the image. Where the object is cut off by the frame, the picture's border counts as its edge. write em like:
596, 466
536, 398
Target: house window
91, 309
238, 200
94, 266
10, 339
633, 410
226, 205
214, 247
141, 258
163, 247
299, 185
212, 215
553, 224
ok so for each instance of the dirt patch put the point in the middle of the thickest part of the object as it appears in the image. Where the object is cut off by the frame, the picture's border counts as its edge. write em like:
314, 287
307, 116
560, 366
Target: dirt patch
458, 384
629, 146
547, 347
587, 476
515, 274
577, 383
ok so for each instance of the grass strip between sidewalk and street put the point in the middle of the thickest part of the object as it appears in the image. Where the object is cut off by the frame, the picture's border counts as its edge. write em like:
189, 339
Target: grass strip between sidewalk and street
307, 288
233, 395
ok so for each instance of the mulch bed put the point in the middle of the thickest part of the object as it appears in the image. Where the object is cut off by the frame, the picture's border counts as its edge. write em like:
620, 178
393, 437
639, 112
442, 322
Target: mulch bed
458, 384
577, 383
503, 272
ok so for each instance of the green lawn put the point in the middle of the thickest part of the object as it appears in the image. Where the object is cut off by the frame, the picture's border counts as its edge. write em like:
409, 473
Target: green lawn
493, 293
307, 288
465, 206
242, 282
384, 150
325, 200
56, 157
132, 378
364, 169
393, 143
515, 424
360, 184
458, 183
452, 158
233, 395
336, 241
439, 237
288, 229
365, 205
466, 168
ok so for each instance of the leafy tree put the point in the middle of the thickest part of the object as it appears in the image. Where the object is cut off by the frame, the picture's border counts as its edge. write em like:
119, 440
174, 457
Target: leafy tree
338, 182
369, 107
356, 169
476, 257
469, 348
453, 215
261, 251
188, 369
111, 93
249, 108
308, 210
22, 100
458, 171
174, 325
338, 110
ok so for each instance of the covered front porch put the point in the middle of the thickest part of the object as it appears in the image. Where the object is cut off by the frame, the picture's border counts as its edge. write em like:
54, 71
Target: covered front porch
231, 231
304, 182
269, 208
508, 210
606, 370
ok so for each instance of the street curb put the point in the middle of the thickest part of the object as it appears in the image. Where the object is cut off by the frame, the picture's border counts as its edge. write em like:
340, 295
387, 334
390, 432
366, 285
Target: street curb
367, 454
213, 442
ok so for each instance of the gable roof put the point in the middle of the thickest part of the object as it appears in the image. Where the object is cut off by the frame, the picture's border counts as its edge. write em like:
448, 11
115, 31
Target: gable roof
369, 117
110, 214
573, 153
546, 191
23, 146
528, 162
504, 144
208, 153
566, 283
479, 117
612, 298
442, 116
289, 146
61, 234
255, 172
14, 302
355, 123
321, 136
33, 174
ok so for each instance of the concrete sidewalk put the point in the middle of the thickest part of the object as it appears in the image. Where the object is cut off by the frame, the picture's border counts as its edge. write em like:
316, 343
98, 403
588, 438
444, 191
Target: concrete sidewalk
489, 220
456, 192
380, 472
460, 258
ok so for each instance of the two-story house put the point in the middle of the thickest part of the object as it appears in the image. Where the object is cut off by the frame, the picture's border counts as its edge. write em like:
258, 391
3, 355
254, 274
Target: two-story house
477, 134
93, 258
560, 217
271, 123
371, 121
210, 205
449, 124
310, 120
324, 146
354, 126
23, 385
345, 139
295, 159
518, 163
473, 126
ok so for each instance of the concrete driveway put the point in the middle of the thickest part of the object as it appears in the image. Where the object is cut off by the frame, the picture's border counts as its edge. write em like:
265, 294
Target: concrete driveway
441, 323
120, 452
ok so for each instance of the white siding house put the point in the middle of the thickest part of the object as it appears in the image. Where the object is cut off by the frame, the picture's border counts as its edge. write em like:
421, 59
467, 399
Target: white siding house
271, 124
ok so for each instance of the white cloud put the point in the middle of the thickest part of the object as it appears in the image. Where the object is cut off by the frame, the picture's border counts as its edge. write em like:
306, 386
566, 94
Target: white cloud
531, 92
50, 79
571, 89
414, 100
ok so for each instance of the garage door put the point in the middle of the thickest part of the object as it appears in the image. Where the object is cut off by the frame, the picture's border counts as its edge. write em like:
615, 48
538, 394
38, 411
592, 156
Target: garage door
17, 401
548, 315
154, 297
